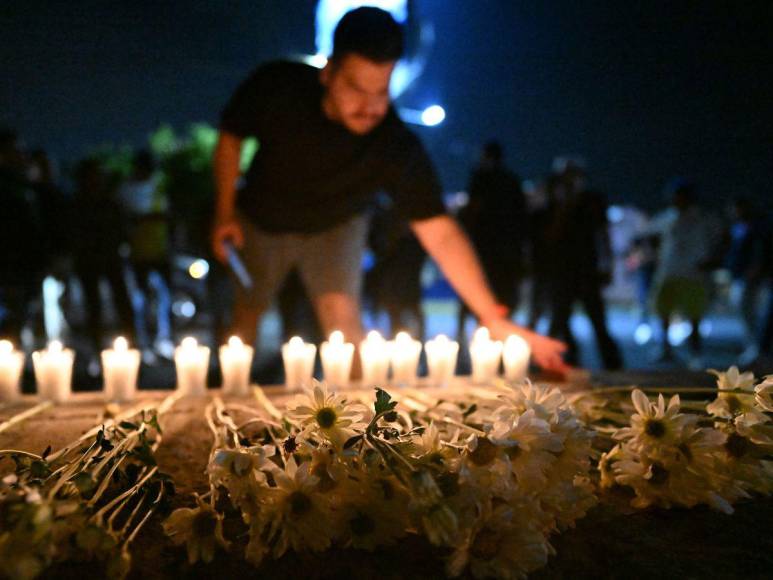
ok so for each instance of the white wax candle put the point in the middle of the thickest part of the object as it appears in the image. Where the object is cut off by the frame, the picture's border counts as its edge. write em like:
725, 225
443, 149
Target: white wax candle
405, 359
11, 366
120, 366
298, 359
235, 363
485, 355
516, 355
441, 359
336, 358
375, 353
53, 372
192, 362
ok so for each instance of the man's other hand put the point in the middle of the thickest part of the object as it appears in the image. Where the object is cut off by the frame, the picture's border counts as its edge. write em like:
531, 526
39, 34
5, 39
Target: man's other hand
226, 231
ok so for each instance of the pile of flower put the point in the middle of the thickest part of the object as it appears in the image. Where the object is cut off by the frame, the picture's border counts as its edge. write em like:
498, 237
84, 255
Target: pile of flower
85, 502
488, 481
715, 455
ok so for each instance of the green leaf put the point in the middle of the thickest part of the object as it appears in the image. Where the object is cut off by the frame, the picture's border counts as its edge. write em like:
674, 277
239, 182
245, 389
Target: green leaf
39, 469
384, 402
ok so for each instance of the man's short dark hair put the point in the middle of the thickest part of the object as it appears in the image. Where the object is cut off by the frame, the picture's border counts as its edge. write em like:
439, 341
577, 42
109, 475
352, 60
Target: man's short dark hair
369, 32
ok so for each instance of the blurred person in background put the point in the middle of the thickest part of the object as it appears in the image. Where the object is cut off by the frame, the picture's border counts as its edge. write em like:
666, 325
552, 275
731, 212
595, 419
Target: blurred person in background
581, 256
745, 260
689, 238
147, 208
21, 239
98, 229
495, 220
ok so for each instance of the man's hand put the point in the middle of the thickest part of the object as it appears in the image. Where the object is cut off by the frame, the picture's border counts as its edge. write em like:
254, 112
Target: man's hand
228, 230
545, 351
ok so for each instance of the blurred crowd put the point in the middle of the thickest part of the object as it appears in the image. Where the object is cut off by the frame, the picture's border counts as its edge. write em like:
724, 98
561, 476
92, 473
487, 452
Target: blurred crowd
90, 252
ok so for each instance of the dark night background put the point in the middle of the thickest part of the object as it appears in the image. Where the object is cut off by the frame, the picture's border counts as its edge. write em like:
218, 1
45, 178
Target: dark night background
644, 91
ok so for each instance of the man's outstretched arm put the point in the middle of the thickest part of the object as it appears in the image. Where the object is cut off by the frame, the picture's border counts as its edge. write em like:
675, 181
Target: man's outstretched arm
449, 246
226, 173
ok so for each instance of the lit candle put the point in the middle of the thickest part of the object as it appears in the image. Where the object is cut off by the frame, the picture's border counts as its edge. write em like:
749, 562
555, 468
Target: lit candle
11, 365
405, 359
298, 359
336, 358
516, 355
235, 363
120, 366
53, 372
485, 355
375, 353
441, 359
192, 362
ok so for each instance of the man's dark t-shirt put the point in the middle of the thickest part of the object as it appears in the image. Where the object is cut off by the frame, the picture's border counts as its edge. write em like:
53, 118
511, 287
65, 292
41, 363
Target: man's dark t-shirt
311, 173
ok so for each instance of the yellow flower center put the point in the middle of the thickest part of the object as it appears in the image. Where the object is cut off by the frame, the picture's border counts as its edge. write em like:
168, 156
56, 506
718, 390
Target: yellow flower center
326, 417
486, 545
484, 453
300, 503
655, 428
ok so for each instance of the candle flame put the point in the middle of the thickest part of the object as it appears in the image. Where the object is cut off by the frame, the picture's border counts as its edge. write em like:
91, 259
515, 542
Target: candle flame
374, 336
296, 342
482, 334
6, 347
189, 343
336, 337
235, 342
516, 343
120, 344
441, 339
54, 346
403, 337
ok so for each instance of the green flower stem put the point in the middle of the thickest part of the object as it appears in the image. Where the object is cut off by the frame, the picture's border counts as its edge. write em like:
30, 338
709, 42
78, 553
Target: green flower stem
105, 481
98, 517
18, 418
149, 513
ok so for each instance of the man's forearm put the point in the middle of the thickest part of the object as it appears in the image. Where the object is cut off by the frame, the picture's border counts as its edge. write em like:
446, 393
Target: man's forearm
449, 246
226, 172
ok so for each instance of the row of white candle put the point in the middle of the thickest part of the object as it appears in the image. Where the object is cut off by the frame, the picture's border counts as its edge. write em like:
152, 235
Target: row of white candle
53, 366
402, 354
53, 369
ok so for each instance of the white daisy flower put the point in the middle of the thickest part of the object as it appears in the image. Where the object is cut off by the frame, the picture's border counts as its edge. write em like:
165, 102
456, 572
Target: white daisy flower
297, 514
199, 528
501, 545
730, 404
654, 426
763, 394
327, 414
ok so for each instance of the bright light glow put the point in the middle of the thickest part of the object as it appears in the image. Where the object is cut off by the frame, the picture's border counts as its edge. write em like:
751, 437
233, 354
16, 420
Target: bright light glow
120, 344
515, 343
615, 214
706, 327
6, 347
433, 115
678, 332
235, 342
643, 334
55, 346
441, 339
198, 269
316, 60
336, 337
184, 308
189, 343
296, 343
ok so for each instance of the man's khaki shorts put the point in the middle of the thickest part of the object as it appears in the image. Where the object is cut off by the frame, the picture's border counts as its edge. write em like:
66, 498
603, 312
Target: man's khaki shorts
328, 261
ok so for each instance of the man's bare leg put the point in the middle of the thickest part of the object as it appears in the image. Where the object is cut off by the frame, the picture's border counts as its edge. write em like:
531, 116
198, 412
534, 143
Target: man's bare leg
245, 322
